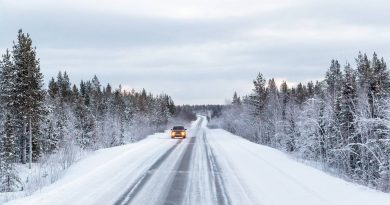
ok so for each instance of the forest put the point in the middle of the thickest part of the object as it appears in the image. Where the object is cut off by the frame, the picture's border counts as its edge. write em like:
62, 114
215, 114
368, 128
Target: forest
53, 126
340, 124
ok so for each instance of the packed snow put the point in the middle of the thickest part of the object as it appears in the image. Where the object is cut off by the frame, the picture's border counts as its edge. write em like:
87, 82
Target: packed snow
267, 176
99, 178
249, 174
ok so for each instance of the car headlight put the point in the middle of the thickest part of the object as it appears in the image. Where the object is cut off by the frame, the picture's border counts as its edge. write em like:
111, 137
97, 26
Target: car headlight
173, 133
183, 133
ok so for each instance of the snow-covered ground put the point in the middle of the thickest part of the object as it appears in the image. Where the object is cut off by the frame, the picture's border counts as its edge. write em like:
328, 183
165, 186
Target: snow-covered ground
99, 178
267, 176
209, 167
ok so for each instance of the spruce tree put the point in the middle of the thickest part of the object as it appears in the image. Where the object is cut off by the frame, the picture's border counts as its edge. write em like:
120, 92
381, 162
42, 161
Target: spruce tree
171, 105
118, 110
300, 94
334, 78
310, 89
349, 101
236, 100
364, 70
258, 98
9, 180
65, 88
7, 84
348, 118
379, 83
30, 94
85, 123
53, 88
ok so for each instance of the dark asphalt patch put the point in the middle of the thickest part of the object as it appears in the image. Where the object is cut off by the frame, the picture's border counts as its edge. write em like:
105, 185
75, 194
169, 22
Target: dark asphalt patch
178, 187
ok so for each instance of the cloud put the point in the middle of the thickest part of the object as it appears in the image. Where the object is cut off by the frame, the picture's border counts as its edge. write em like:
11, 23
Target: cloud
197, 51
178, 9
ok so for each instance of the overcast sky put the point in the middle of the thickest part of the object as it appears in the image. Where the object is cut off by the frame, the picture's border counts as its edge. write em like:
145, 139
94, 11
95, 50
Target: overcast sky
197, 51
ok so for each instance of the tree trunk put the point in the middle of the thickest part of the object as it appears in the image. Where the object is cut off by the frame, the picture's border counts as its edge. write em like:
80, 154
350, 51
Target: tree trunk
24, 151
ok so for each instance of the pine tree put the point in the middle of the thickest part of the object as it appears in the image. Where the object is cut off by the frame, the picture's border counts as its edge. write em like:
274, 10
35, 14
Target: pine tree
85, 123
258, 98
118, 110
30, 94
288, 124
65, 88
348, 118
310, 89
301, 94
9, 81
236, 100
318, 89
171, 105
272, 115
364, 70
142, 104
96, 97
75, 93
284, 92
348, 101
53, 88
7, 84
379, 83
334, 78
9, 180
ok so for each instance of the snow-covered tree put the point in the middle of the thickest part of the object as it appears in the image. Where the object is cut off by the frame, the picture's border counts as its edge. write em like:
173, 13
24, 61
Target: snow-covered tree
30, 93
236, 100
9, 180
341, 122
66, 118
258, 98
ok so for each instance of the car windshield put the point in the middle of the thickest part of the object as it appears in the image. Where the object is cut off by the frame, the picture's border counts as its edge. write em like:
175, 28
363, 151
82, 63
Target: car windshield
178, 128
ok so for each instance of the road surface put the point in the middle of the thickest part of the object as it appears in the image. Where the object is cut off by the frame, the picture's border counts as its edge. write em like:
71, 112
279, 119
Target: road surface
209, 167
187, 173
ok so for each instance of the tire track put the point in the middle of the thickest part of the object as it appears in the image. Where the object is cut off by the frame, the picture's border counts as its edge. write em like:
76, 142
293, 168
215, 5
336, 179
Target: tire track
222, 197
141, 181
178, 187
246, 197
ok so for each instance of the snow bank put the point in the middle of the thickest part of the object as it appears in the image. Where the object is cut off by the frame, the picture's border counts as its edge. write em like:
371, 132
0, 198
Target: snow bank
262, 175
104, 174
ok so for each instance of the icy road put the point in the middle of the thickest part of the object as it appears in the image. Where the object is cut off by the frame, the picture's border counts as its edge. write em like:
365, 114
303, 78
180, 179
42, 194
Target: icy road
209, 167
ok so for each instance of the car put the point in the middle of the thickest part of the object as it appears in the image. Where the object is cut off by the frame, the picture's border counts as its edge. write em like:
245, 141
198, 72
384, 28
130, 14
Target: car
178, 131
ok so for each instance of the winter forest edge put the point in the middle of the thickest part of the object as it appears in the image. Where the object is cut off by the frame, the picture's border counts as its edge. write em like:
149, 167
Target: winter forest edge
66, 121
342, 123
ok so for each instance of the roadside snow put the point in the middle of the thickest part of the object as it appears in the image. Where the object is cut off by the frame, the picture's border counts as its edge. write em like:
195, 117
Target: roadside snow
100, 178
251, 174
103, 175
262, 175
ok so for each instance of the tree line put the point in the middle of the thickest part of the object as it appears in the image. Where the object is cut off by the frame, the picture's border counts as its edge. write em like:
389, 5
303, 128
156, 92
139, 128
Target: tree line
89, 116
341, 122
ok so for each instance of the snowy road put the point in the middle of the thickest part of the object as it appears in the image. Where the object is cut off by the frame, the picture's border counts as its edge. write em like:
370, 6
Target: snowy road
209, 167
186, 174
